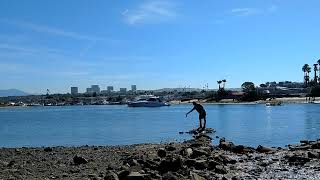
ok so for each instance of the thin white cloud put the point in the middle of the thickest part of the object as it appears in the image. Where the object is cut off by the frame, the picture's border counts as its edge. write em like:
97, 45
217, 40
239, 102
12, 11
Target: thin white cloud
151, 11
52, 30
245, 11
253, 11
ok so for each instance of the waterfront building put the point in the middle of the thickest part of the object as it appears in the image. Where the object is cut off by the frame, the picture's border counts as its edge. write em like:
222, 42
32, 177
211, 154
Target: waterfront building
95, 88
133, 88
110, 88
74, 90
89, 90
123, 90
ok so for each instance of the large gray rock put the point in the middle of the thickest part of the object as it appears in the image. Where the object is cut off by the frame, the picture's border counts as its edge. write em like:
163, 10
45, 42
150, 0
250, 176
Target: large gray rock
197, 164
198, 152
111, 176
77, 160
263, 149
135, 176
162, 153
195, 176
170, 164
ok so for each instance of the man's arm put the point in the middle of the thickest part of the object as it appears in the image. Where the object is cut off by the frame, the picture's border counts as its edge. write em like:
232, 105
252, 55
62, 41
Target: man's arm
190, 111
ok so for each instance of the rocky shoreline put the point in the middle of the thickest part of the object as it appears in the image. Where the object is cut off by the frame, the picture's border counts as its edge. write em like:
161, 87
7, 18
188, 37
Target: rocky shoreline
195, 159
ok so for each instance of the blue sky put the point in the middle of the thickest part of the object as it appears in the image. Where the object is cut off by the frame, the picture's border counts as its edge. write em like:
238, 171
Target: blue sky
154, 44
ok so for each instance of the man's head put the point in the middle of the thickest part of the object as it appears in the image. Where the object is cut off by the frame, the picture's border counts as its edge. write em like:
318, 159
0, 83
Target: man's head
194, 103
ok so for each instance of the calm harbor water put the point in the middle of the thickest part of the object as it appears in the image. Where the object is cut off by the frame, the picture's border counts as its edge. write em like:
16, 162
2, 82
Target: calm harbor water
117, 125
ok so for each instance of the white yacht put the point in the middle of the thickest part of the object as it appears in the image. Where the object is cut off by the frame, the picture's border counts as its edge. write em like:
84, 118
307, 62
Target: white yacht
147, 101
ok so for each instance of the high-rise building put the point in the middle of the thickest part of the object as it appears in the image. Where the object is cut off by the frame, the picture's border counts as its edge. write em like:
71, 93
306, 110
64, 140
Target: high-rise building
74, 90
95, 88
123, 90
89, 90
110, 88
133, 88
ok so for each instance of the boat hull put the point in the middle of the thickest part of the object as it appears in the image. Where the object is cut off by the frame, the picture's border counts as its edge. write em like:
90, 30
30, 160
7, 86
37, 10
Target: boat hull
147, 104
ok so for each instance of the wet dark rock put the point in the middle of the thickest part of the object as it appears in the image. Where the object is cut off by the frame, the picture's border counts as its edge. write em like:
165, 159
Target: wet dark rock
297, 160
226, 145
77, 160
197, 164
304, 141
170, 148
48, 149
169, 176
220, 169
263, 149
313, 155
181, 132
170, 164
162, 153
316, 145
212, 164
123, 174
198, 153
11, 163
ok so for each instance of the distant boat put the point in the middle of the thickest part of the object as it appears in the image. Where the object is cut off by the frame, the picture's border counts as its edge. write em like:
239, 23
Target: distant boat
273, 104
147, 101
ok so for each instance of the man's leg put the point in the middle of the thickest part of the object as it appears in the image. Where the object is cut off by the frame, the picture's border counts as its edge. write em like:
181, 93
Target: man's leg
200, 122
204, 122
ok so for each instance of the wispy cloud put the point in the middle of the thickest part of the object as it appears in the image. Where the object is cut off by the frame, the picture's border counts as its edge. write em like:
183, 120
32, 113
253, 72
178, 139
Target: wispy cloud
151, 11
253, 11
245, 11
52, 30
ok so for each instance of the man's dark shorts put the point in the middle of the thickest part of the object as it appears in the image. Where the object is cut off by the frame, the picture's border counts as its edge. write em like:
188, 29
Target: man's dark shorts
202, 115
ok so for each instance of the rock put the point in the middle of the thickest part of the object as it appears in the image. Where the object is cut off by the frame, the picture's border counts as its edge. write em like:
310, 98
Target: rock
79, 160
195, 176
313, 155
212, 164
135, 176
170, 164
297, 160
11, 163
198, 153
162, 153
225, 145
123, 174
227, 160
48, 149
181, 132
316, 145
93, 176
169, 176
304, 141
133, 162
263, 149
186, 152
170, 148
220, 169
197, 164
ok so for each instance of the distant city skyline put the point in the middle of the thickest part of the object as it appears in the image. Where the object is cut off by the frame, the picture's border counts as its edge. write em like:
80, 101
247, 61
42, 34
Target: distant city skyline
154, 44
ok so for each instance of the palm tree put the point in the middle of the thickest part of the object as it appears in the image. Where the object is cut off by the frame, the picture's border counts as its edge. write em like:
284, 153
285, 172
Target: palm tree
219, 82
306, 69
315, 68
318, 70
224, 83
